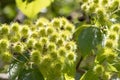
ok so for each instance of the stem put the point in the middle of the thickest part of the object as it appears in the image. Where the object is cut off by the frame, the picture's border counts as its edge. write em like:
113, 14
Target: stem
16, 59
82, 71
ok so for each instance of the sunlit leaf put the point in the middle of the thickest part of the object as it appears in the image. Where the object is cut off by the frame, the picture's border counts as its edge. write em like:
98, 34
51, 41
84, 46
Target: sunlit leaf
32, 8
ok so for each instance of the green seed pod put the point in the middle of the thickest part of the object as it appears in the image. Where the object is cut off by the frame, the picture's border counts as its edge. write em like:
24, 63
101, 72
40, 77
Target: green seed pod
109, 43
96, 1
71, 56
58, 66
54, 37
4, 30
70, 28
104, 2
51, 46
84, 7
113, 35
30, 42
62, 51
53, 54
64, 21
100, 12
50, 30
60, 42
15, 27
44, 40
99, 69
38, 45
42, 22
92, 7
15, 38
35, 56
66, 35
6, 57
111, 56
56, 23
70, 46
116, 27
4, 44
42, 31
45, 62
114, 5
34, 35
25, 30
18, 48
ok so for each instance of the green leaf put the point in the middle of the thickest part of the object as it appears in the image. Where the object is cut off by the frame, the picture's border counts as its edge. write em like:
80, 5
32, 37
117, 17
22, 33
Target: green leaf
32, 74
88, 39
111, 68
89, 75
32, 8
79, 30
21, 71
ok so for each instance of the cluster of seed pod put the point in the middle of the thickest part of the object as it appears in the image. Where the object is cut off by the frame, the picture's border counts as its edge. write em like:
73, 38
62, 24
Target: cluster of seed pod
108, 54
49, 44
100, 7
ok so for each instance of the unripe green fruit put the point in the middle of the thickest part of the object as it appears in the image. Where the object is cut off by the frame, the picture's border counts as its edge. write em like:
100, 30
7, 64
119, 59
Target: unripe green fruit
35, 56
56, 23
25, 30
15, 38
6, 57
104, 2
53, 54
111, 57
34, 35
30, 42
96, 1
50, 30
58, 66
92, 7
100, 12
44, 40
71, 56
42, 31
70, 27
116, 27
60, 42
18, 48
68, 46
4, 44
84, 7
51, 46
114, 5
38, 45
54, 37
42, 22
62, 51
99, 69
15, 27
64, 21
66, 35
112, 35
109, 43
4, 30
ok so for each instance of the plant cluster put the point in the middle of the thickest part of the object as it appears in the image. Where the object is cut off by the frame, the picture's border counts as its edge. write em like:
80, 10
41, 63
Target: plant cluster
103, 15
48, 45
